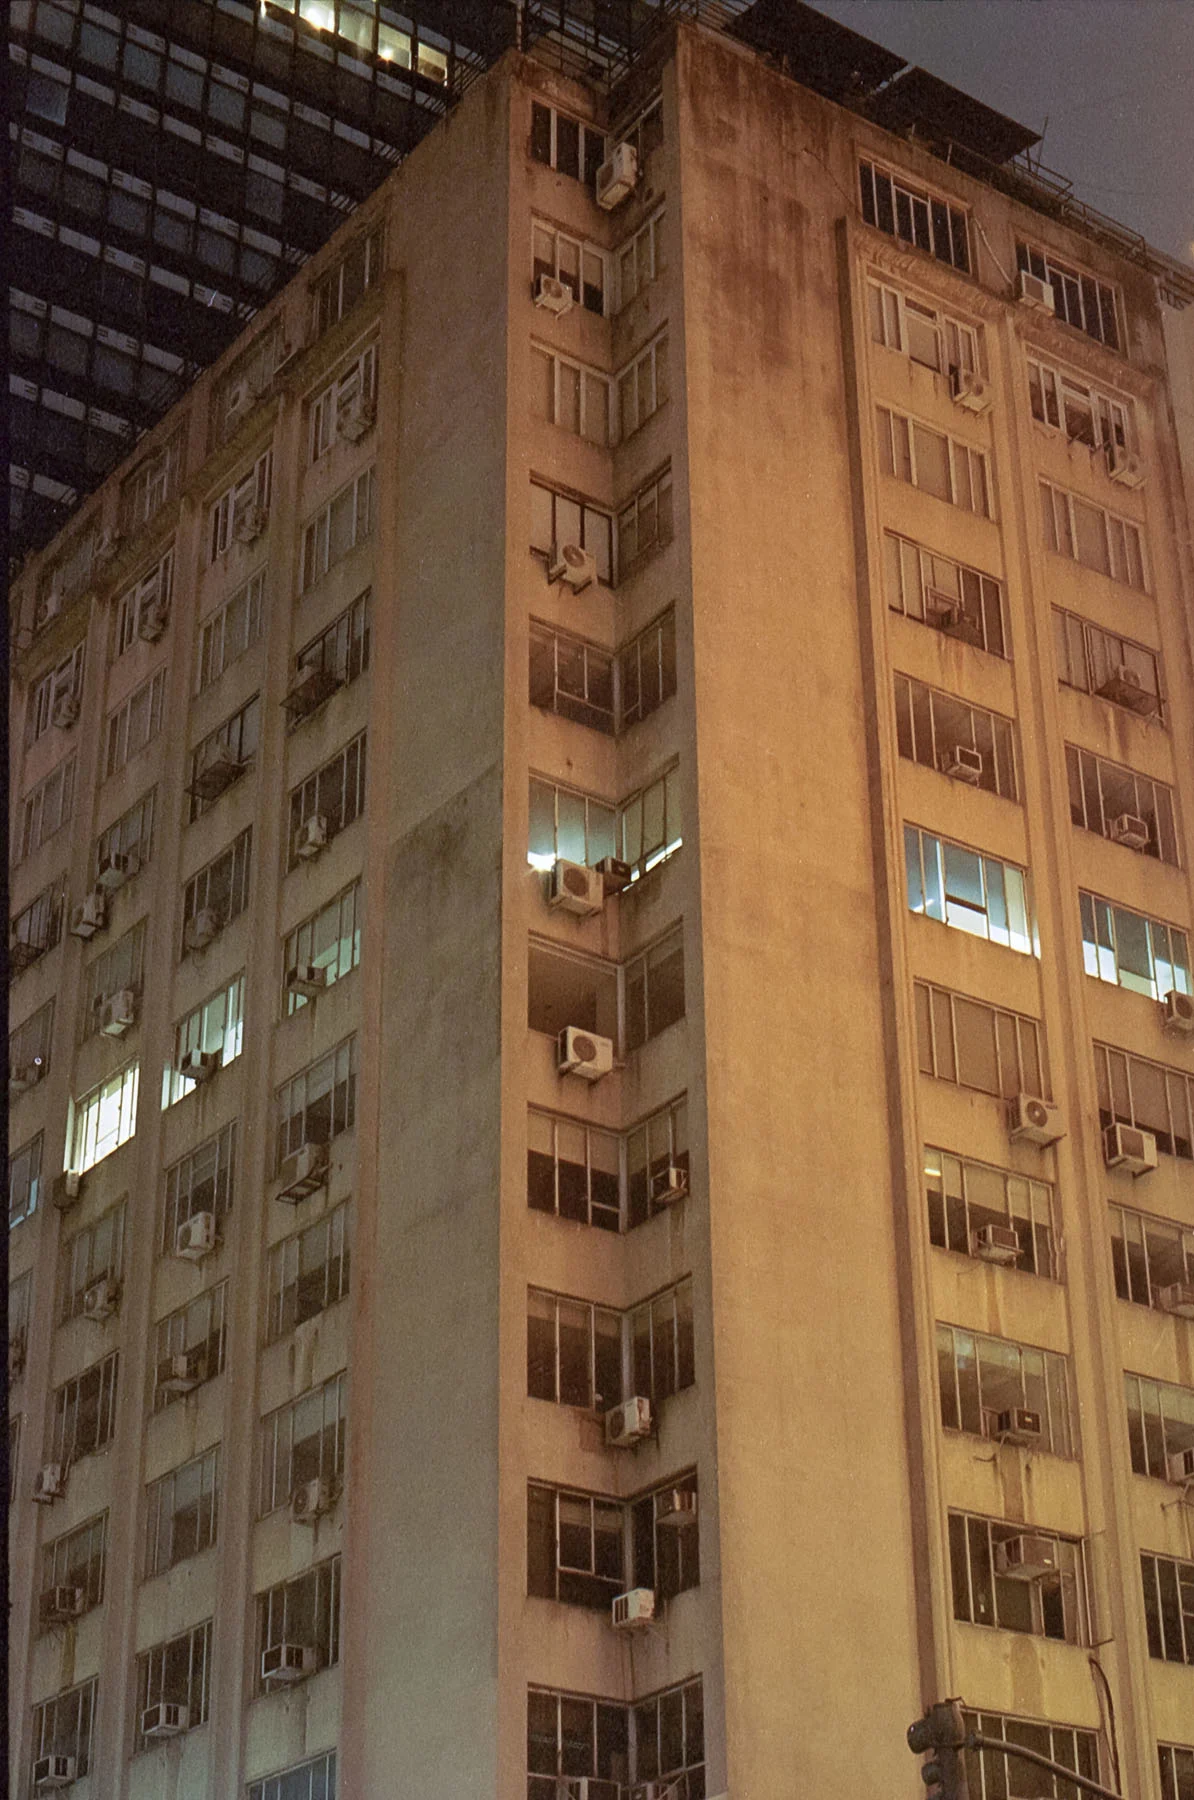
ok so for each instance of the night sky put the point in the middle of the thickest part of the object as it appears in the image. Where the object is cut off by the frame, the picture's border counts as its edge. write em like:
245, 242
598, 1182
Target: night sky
1114, 80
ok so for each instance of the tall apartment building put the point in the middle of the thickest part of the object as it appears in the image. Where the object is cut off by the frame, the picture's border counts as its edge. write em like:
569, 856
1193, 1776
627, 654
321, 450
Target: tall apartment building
603, 1106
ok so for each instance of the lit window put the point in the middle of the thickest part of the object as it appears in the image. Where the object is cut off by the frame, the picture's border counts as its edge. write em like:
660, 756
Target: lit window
963, 888
104, 1118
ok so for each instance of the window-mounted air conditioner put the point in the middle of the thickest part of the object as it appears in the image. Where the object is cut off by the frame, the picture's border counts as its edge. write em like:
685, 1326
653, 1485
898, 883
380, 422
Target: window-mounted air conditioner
996, 1244
240, 402
573, 888
1014, 1425
118, 1013
617, 177
1125, 466
249, 523
287, 1662
199, 1065
553, 296
1177, 1014
312, 837
583, 1053
155, 616
942, 610
54, 1771
310, 1500
101, 1299
202, 928
218, 770
615, 874
961, 763
303, 1173
1179, 1466
49, 606
355, 417
677, 1507
1034, 1121
108, 546
183, 1372
90, 916
1027, 1557
62, 1603
65, 711
115, 870
668, 1184
166, 1719
629, 1423
1034, 293
970, 391
1177, 1298
1124, 686
313, 685
1125, 1147
23, 1076
196, 1237
65, 1190
633, 1610
1130, 831
307, 979
573, 565
49, 1484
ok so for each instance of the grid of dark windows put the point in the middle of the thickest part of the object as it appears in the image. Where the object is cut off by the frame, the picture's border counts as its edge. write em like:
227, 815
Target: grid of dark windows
990, 1585
304, 1612
177, 1674
24, 1180
1077, 298
222, 756
182, 1512
1177, 1771
29, 1050
334, 797
945, 594
941, 732
566, 145
939, 465
318, 1103
914, 216
1133, 1091
92, 1255
1132, 951
1117, 803
307, 1273
977, 1046
1160, 1427
1153, 1258
62, 1725
995, 1775
311, 1780
1169, 1607
127, 844
970, 1203
986, 1381
36, 928
303, 1441
196, 1333
76, 1560
558, 519
83, 1412
201, 1182
1090, 535
230, 631
220, 890
1099, 662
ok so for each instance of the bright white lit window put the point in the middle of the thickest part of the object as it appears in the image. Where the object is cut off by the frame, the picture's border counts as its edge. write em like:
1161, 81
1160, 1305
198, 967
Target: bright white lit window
105, 1118
215, 1029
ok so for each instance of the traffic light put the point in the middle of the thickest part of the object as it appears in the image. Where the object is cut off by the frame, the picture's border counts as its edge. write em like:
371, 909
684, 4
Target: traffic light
943, 1732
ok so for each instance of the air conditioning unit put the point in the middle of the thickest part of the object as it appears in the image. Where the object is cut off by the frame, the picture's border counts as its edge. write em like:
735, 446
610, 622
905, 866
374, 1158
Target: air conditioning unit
1033, 1121
202, 928
942, 610
287, 1662
1125, 1147
118, 1013
49, 1483
629, 1423
165, 1720
306, 979
575, 889
107, 548
633, 1610
617, 178
676, 1508
961, 763
48, 607
996, 1244
355, 418
553, 296
196, 1237
1032, 292
1127, 829
54, 1772
101, 1299
240, 402
59, 1604
1125, 687
249, 524
65, 711
90, 916
155, 616
1015, 1425
1179, 1466
65, 1190
1177, 1012
24, 1076
310, 1500
115, 870
1177, 1298
183, 1373
219, 769
199, 1065
313, 686
312, 837
615, 874
971, 391
1027, 1557
668, 1184
1125, 466
583, 1053
304, 1172
574, 566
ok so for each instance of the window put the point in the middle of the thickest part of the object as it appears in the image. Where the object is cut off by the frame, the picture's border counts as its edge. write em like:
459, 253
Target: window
653, 991
939, 465
579, 1171
47, 808
24, 1181
69, 576
931, 725
197, 1331
77, 1560
222, 757
647, 670
1177, 1771
1135, 952
669, 1740
36, 928
152, 590
63, 682
221, 887
1053, 1606
652, 1148
104, 1118
313, 1780
95, 1252
302, 1441
1169, 1607
216, 1028
643, 387
920, 583
1160, 1423
641, 258
577, 264
1150, 1255
572, 1739
29, 1048
358, 269
307, 1273
329, 940
1109, 799
151, 484
965, 1196
341, 649
120, 967
645, 522
574, 1351
335, 794
645, 131
135, 724
977, 1046
230, 631
1078, 299
994, 1775
1083, 413
20, 1300
914, 216
303, 1611
178, 1672
201, 1182
921, 332
559, 519
242, 509
182, 1512
83, 1412
574, 1547
972, 892
356, 385
253, 372
1091, 536
571, 396
62, 1725
346, 521
1098, 662
14, 1453
661, 1343
665, 1552
573, 678
566, 145
131, 836
984, 1377
318, 1103
1148, 1095
564, 823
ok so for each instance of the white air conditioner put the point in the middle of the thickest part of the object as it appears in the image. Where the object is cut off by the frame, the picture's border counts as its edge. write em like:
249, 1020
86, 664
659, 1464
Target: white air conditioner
996, 1244
668, 1184
240, 402
306, 979
155, 616
615, 874
310, 1500
183, 1372
107, 548
633, 1610
49, 1483
165, 1720
65, 711
101, 1299
971, 391
199, 1065
202, 928
942, 610
574, 566
1014, 1425
1032, 292
1034, 1121
354, 418
65, 1190
249, 524
115, 870
54, 1772
553, 296
304, 1172
90, 916
575, 889
287, 1662
1177, 1012
58, 1604
677, 1507
49, 606
1125, 1147
961, 763
1130, 831
1179, 1466
218, 770
583, 1053
196, 1237
1027, 1557
118, 1013
1177, 1298
629, 1423
617, 178
313, 685
1125, 466
312, 837
23, 1076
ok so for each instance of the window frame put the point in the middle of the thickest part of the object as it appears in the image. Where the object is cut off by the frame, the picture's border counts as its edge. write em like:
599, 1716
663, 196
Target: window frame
316, 557
200, 1323
91, 1254
78, 1558
120, 747
900, 451
113, 841
67, 1403
153, 586
49, 1738
217, 648
196, 1031
287, 1271
22, 1183
946, 226
984, 621
37, 926
642, 386
958, 343
324, 1579
644, 253
548, 237
1052, 1387
932, 885
591, 144
1158, 1431
278, 1447
85, 1135
231, 885
589, 382
329, 300
287, 1141
1034, 1217
973, 1539
249, 490
1133, 1264
306, 799
59, 784
596, 528
240, 733
1125, 559
1114, 1081
1015, 1038
1168, 1617
221, 1146
153, 1681
918, 704
357, 378
162, 1512
1167, 946
1071, 287
63, 680
298, 947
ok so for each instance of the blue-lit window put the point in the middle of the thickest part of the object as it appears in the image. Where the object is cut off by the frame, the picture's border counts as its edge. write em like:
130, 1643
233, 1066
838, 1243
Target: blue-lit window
1133, 951
972, 892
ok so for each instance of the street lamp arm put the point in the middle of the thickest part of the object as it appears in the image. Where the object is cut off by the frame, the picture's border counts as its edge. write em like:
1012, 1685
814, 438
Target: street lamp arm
974, 1740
